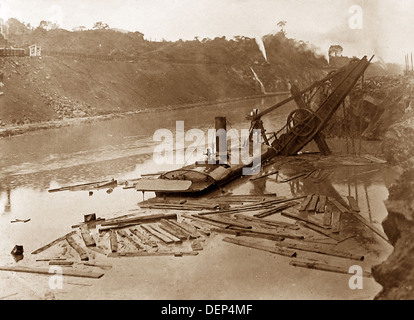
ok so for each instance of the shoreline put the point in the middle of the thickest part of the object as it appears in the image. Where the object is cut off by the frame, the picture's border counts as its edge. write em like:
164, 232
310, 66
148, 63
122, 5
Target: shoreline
9, 131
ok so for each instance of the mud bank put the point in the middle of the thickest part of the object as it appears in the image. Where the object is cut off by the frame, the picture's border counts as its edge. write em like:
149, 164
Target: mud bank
396, 274
8, 131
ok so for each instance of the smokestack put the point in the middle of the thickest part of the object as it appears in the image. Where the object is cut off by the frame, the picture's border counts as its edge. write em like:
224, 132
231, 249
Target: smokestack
221, 139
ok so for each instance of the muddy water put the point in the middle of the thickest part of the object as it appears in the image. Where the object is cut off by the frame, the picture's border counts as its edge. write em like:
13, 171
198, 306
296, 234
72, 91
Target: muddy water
123, 149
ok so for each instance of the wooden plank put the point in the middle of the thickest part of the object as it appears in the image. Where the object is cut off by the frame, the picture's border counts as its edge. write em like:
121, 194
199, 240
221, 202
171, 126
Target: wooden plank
165, 233
353, 205
270, 232
196, 245
219, 224
304, 218
370, 226
60, 263
338, 205
312, 204
315, 248
327, 217
90, 224
139, 219
305, 202
177, 233
275, 209
82, 253
151, 254
336, 220
113, 241
144, 239
241, 233
267, 222
249, 244
87, 237
320, 208
186, 227
125, 234
157, 234
224, 220
41, 249
162, 185
324, 267
47, 271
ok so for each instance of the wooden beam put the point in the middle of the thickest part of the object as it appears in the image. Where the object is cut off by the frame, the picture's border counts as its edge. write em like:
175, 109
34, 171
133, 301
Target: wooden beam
336, 220
157, 234
305, 202
144, 239
324, 267
327, 217
53, 243
353, 205
125, 234
86, 236
312, 204
338, 205
113, 241
253, 245
176, 233
165, 233
82, 253
320, 208
46, 271
151, 254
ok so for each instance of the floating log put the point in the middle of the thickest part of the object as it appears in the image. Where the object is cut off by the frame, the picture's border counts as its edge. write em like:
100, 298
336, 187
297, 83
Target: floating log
186, 227
48, 272
336, 220
152, 254
125, 234
275, 209
324, 267
338, 205
87, 237
143, 238
370, 226
157, 234
305, 202
272, 223
60, 263
196, 245
353, 205
140, 219
165, 233
245, 243
173, 230
53, 243
320, 208
82, 253
113, 241
319, 249
312, 204
327, 217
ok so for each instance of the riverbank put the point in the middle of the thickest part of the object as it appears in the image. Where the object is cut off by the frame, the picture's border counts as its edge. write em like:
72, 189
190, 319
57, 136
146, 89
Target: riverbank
12, 130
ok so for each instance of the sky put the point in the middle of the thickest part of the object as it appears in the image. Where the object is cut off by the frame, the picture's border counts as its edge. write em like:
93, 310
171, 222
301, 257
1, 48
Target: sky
361, 27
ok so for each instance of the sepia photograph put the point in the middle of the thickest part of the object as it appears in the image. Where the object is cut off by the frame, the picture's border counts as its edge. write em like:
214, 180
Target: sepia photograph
206, 154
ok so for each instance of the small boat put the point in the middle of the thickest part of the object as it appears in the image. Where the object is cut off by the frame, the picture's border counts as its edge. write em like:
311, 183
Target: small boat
303, 125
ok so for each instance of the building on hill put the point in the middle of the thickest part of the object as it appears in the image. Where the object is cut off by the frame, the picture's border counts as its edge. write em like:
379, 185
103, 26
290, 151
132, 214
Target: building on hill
336, 59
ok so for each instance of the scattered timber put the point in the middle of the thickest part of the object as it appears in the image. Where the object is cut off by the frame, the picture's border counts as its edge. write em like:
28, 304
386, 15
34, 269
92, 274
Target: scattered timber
46, 271
353, 205
370, 226
327, 216
90, 224
312, 204
165, 233
140, 219
125, 234
87, 237
187, 228
152, 254
225, 221
113, 241
275, 209
303, 217
249, 244
82, 253
143, 238
60, 263
336, 221
338, 205
53, 242
305, 202
272, 223
265, 175
319, 249
324, 267
320, 208
157, 234
180, 234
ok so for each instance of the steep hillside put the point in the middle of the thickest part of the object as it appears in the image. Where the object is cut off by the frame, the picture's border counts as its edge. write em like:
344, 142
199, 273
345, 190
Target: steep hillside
141, 74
